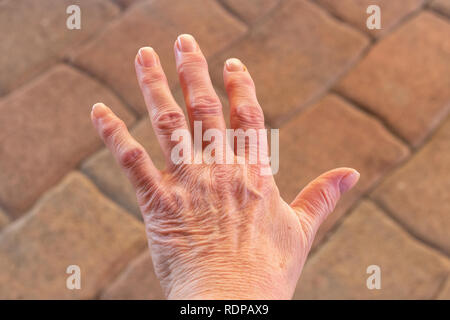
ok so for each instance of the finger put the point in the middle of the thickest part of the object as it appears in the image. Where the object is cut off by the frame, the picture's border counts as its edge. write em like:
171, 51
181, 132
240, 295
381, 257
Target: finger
319, 198
165, 114
245, 111
129, 154
202, 102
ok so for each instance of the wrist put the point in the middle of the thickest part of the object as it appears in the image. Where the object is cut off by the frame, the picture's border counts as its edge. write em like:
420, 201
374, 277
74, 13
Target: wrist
231, 287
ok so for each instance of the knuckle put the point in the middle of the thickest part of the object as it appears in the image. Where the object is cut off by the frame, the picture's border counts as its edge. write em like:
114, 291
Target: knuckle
191, 64
131, 157
111, 128
328, 198
240, 83
151, 78
152, 200
249, 115
166, 121
205, 105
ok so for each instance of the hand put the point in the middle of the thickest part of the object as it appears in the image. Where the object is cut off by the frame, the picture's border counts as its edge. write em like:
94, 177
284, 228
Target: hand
215, 230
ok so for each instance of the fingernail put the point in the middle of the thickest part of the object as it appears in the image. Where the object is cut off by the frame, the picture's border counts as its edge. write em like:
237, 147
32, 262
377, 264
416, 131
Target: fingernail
147, 57
99, 110
348, 181
186, 43
234, 64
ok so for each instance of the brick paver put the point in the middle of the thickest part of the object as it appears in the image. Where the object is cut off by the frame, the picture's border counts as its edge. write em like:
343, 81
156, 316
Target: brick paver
294, 56
405, 78
3, 219
354, 12
418, 194
72, 225
35, 36
155, 23
442, 6
409, 270
445, 292
251, 10
46, 131
333, 134
138, 281
127, 3
102, 167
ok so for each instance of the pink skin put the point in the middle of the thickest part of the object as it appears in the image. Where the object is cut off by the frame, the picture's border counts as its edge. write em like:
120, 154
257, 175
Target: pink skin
215, 231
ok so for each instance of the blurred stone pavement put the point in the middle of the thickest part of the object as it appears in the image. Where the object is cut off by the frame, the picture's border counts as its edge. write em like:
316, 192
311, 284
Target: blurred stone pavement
342, 95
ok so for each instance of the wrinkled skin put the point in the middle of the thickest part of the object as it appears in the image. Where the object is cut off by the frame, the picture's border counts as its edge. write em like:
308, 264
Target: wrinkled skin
216, 231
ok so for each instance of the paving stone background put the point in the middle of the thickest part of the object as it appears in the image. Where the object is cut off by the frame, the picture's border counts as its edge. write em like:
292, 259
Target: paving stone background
251, 10
392, 12
3, 219
340, 94
138, 281
445, 293
442, 6
34, 36
126, 3
405, 78
73, 224
409, 270
418, 192
46, 131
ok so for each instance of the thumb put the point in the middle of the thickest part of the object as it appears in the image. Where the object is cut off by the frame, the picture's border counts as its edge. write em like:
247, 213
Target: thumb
319, 198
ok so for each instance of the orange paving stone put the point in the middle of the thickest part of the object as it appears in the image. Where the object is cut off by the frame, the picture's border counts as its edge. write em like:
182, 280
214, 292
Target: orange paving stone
3, 219
46, 132
127, 3
445, 292
338, 270
138, 282
251, 10
72, 225
355, 12
418, 193
35, 36
405, 79
442, 6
